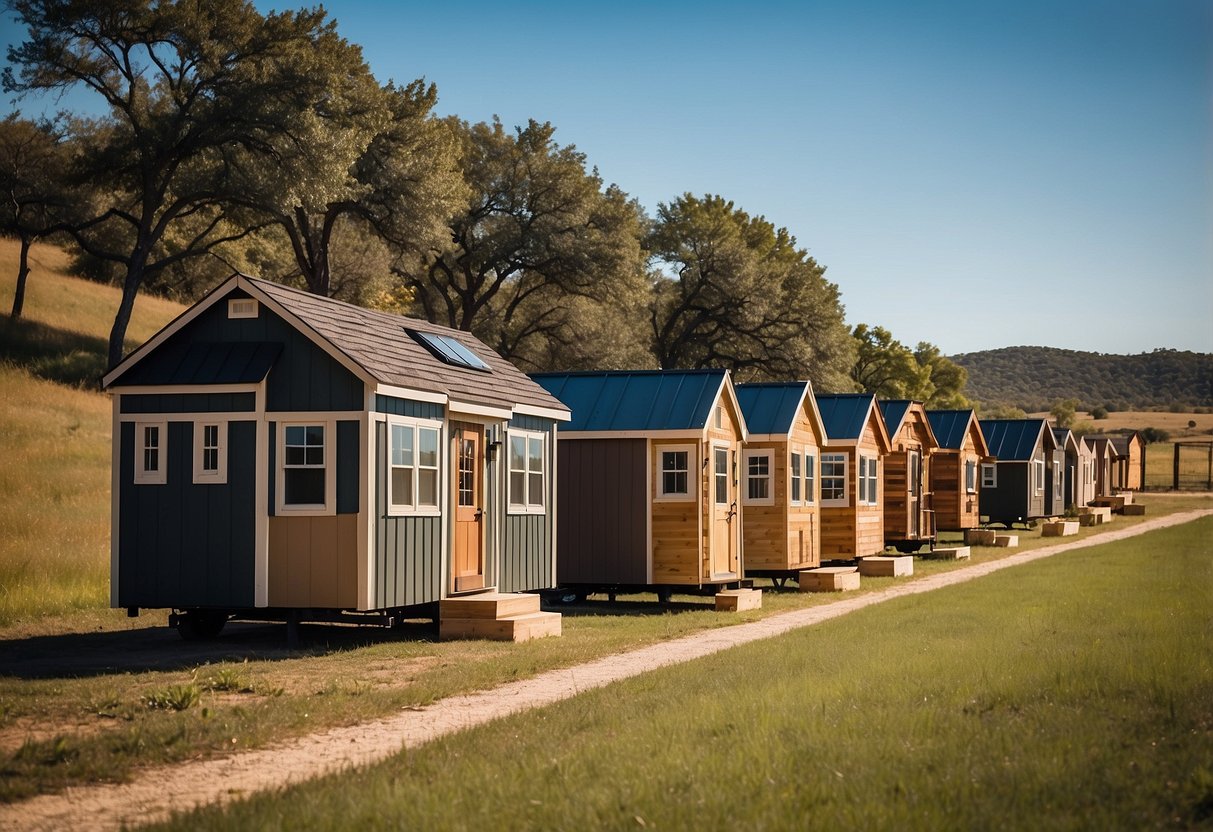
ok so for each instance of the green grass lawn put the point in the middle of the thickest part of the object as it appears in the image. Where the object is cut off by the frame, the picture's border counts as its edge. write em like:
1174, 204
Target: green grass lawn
1075, 693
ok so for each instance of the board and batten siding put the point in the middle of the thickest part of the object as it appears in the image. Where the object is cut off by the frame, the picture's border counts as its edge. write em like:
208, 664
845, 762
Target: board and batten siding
182, 544
407, 550
527, 553
602, 500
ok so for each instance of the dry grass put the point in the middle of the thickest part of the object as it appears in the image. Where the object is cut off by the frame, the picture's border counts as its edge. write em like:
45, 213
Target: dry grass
1174, 423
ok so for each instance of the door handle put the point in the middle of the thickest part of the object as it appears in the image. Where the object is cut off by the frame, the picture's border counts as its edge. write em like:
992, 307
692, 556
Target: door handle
479, 512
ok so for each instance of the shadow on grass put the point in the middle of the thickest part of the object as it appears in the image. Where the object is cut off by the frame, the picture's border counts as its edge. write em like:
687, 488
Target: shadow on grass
53, 354
160, 648
604, 607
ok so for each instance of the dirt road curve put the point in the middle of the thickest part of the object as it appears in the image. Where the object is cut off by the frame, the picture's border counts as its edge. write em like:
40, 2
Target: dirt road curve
157, 792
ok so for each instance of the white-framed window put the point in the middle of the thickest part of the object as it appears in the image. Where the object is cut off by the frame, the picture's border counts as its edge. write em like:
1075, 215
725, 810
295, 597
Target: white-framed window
989, 475
719, 419
867, 480
528, 472
834, 480
1039, 467
795, 477
677, 469
151, 453
720, 468
971, 476
242, 308
210, 452
759, 484
414, 450
306, 483
810, 477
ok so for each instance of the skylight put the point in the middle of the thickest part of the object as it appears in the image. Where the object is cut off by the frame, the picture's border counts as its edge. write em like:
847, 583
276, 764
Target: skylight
450, 351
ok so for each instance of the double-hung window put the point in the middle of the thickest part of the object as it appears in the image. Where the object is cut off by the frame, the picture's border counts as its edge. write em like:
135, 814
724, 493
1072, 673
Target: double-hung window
971, 476
305, 467
1039, 466
834, 479
989, 475
528, 486
676, 471
413, 468
151, 453
210, 452
795, 477
758, 490
867, 480
810, 475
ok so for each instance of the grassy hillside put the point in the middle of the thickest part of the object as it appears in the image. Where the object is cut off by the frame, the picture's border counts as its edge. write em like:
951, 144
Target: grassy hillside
55, 480
1032, 378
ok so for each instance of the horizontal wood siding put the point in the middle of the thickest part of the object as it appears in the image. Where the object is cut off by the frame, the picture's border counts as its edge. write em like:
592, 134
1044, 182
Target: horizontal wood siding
188, 402
407, 550
601, 500
187, 545
896, 496
766, 527
313, 562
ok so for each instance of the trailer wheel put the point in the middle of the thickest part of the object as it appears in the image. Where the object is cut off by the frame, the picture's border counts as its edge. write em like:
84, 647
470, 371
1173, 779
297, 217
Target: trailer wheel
200, 625
664, 595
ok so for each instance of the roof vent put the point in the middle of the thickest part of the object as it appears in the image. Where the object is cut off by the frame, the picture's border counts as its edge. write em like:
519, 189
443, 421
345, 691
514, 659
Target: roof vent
242, 308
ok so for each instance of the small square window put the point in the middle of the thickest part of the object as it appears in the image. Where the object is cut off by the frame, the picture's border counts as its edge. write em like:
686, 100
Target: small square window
675, 475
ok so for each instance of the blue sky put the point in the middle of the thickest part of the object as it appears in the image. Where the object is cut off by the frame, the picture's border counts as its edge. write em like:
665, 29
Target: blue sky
973, 174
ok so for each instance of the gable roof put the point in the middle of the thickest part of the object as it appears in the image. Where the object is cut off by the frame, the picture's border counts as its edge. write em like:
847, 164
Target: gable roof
1064, 437
1121, 443
844, 416
641, 401
895, 411
1014, 440
770, 408
373, 345
950, 427
1102, 446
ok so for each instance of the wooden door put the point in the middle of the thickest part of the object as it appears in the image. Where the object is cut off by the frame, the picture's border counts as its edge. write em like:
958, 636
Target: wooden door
914, 494
468, 456
725, 518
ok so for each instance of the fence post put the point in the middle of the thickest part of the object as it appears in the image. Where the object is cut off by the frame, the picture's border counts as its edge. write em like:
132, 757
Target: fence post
1209, 484
1175, 474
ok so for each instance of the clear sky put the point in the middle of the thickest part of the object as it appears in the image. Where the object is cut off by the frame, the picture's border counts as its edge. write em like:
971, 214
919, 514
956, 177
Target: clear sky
971, 173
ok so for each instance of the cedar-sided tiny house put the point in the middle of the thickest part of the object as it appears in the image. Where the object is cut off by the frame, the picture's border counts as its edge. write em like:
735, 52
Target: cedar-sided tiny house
1078, 481
1014, 489
650, 468
955, 471
1084, 488
909, 519
852, 511
1130, 469
1105, 457
277, 452
779, 489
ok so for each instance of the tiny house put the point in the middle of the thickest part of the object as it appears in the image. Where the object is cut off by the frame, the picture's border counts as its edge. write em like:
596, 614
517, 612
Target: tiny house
955, 472
281, 455
1055, 477
779, 491
1084, 490
852, 508
649, 479
1105, 457
1014, 489
1130, 474
909, 520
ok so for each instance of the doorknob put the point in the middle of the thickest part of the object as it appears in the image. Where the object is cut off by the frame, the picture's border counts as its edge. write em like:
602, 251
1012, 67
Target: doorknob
479, 512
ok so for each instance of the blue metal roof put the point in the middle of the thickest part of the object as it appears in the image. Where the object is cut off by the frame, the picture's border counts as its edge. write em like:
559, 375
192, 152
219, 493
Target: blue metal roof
1012, 440
949, 427
648, 400
843, 414
771, 407
893, 411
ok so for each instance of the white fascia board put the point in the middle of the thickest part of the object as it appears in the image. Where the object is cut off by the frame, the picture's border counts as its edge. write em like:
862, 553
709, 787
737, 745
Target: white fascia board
410, 394
480, 410
543, 412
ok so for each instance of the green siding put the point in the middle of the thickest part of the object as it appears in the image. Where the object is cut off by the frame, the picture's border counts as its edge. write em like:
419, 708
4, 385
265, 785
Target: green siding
188, 403
408, 550
531, 423
406, 407
526, 553
187, 545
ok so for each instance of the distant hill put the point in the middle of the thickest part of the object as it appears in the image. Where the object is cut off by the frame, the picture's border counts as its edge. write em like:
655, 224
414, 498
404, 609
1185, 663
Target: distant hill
1032, 378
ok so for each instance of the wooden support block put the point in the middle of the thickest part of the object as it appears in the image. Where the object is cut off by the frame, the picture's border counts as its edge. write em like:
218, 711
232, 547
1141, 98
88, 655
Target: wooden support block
1134, 510
882, 566
979, 537
1007, 541
736, 600
491, 605
1127, 496
1059, 528
1090, 519
951, 553
829, 579
512, 628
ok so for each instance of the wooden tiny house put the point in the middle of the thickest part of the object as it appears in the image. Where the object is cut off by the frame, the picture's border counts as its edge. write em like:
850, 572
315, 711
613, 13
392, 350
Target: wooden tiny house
1130, 471
282, 455
779, 493
1014, 489
649, 477
1084, 486
1105, 457
909, 519
1079, 477
852, 509
955, 469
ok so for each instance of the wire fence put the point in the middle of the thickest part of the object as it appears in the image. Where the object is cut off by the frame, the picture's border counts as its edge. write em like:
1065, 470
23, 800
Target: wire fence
1184, 466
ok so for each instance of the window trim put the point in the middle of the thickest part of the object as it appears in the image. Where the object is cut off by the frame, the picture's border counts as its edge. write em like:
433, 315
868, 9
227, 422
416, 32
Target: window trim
971, 464
808, 470
414, 510
845, 499
660, 495
872, 479
796, 459
746, 456
989, 475
158, 475
219, 475
526, 507
1038, 477
329, 507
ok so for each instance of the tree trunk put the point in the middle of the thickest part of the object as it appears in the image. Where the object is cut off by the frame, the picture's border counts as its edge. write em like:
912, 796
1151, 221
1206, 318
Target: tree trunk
130, 288
22, 274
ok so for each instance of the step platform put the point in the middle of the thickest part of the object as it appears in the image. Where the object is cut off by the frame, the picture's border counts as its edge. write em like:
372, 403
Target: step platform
1007, 541
980, 537
828, 579
1059, 528
495, 616
951, 552
737, 600
1134, 510
887, 566
1094, 515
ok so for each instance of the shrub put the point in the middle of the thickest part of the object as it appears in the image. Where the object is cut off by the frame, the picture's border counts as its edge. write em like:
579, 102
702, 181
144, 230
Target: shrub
1099, 413
1152, 435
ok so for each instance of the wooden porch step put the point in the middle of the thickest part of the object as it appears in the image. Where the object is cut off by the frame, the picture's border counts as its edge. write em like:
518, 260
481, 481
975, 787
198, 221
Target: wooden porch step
951, 552
488, 605
1059, 528
736, 600
828, 579
887, 566
1007, 541
523, 627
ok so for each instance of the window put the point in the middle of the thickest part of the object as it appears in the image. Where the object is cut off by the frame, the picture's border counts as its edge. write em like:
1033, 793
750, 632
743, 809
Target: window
721, 468
794, 477
449, 350
242, 308
867, 480
971, 476
674, 480
834, 479
210, 452
758, 478
527, 491
306, 481
151, 450
989, 475
810, 473
1039, 466
719, 418
413, 468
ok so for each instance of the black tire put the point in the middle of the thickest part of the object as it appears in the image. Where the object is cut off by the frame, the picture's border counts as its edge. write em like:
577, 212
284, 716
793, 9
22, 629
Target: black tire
200, 625
664, 596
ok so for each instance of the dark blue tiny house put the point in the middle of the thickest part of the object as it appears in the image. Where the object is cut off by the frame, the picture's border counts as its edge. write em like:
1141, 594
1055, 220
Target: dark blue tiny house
1017, 488
277, 453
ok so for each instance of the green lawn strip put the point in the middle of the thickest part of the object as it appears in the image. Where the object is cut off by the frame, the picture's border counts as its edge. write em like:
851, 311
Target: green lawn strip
113, 724
1075, 694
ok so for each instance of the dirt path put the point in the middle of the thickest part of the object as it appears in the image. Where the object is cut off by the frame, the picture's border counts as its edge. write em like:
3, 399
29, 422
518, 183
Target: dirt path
155, 793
